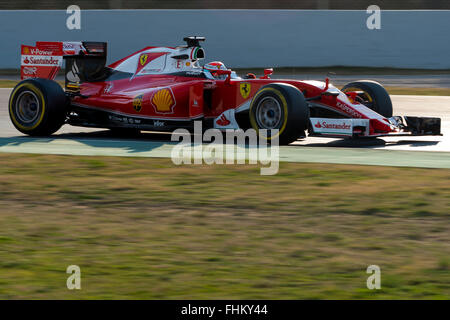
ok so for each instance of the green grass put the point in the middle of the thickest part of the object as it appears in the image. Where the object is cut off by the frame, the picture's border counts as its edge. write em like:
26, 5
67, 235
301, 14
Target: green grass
419, 91
147, 229
8, 83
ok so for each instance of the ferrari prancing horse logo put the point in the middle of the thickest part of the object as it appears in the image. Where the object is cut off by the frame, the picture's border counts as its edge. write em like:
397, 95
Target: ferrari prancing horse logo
245, 89
143, 59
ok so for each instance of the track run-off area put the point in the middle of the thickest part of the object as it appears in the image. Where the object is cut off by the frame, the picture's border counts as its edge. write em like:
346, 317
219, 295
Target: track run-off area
427, 152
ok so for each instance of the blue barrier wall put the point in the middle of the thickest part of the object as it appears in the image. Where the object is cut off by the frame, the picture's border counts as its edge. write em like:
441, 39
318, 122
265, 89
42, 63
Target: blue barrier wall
248, 38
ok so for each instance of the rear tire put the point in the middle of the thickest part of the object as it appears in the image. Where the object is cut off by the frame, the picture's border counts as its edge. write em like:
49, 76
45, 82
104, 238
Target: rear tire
373, 95
37, 107
279, 106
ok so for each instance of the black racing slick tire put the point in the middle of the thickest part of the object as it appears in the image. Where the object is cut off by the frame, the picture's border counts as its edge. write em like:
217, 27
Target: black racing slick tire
279, 106
38, 107
373, 95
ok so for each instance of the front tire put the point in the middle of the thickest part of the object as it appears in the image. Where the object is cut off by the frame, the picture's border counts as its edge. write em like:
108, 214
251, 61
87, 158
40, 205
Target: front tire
37, 107
373, 95
279, 106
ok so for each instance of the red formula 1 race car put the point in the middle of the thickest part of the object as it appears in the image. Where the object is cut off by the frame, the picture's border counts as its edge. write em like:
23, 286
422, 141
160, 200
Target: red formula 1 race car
164, 88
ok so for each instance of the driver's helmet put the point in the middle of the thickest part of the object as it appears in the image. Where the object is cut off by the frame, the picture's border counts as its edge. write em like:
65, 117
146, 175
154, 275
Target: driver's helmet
212, 67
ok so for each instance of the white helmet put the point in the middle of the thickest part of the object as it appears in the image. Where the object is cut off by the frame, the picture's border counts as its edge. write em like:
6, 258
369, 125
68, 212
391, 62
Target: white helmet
212, 67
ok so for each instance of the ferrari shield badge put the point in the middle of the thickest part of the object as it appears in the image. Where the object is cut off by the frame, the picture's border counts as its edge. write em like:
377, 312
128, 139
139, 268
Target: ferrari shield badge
143, 59
245, 89
137, 102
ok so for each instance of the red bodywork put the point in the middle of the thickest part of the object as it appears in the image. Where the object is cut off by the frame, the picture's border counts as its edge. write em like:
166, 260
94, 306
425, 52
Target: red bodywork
118, 95
157, 86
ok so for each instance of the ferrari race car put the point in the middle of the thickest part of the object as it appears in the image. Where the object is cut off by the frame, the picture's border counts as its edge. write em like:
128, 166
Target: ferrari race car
165, 88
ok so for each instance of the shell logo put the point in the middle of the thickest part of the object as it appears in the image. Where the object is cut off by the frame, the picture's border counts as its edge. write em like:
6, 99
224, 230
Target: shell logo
26, 50
163, 101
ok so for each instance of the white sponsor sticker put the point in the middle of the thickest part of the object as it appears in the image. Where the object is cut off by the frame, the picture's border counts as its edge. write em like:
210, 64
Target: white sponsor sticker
332, 126
28, 60
226, 120
29, 70
39, 52
72, 47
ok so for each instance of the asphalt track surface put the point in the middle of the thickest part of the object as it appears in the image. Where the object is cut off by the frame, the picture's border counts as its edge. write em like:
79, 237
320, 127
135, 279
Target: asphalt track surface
429, 152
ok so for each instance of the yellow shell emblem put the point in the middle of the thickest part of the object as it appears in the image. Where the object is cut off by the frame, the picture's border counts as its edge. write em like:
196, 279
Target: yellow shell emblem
245, 89
163, 101
26, 50
143, 59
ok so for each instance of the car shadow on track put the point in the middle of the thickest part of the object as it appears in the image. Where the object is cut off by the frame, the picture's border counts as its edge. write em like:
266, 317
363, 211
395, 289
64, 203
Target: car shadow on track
96, 139
413, 143
166, 138
111, 135
347, 143
371, 143
147, 141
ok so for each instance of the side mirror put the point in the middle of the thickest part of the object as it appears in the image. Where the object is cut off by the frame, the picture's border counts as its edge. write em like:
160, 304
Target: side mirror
227, 72
267, 73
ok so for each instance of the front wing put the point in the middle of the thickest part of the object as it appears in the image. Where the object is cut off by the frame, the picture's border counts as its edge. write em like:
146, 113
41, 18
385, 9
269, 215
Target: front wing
359, 128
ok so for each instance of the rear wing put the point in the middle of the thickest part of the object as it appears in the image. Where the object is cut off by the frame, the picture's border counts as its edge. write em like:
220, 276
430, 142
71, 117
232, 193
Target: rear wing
46, 59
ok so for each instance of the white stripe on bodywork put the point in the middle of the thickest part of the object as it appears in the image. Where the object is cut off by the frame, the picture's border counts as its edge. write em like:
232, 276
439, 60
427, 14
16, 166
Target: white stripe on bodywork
338, 126
244, 106
362, 109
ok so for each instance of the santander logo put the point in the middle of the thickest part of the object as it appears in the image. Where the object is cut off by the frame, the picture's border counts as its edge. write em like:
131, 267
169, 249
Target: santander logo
336, 126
